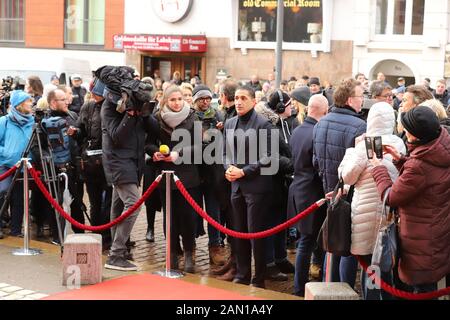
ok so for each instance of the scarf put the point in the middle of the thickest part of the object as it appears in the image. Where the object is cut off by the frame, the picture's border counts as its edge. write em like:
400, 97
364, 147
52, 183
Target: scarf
173, 119
20, 118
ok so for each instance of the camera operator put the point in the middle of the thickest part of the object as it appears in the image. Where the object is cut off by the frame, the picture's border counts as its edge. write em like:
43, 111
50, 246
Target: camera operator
124, 125
64, 149
88, 133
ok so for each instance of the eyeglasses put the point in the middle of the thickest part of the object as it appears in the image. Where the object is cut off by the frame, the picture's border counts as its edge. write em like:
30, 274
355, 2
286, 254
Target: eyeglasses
204, 99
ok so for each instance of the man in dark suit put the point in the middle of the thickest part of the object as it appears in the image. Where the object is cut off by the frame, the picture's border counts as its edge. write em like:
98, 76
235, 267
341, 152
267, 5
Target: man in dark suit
306, 189
250, 174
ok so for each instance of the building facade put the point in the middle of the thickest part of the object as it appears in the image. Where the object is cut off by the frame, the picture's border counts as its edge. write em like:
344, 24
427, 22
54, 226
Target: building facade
402, 38
240, 38
62, 36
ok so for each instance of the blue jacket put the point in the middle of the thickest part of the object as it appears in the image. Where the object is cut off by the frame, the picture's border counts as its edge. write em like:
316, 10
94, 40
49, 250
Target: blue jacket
13, 140
333, 134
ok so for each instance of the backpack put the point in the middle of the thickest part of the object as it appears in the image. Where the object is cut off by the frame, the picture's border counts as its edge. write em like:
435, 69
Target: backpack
56, 130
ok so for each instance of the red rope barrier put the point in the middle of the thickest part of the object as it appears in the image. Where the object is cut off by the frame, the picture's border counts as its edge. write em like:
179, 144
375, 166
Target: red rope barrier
242, 235
78, 225
8, 173
403, 294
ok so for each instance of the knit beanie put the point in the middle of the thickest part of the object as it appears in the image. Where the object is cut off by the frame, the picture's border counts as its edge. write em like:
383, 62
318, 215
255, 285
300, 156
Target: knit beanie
18, 97
422, 123
201, 91
301, 94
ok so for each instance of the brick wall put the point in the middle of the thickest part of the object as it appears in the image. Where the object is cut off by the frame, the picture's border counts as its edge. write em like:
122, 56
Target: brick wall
44, 23
114, 21
332, 66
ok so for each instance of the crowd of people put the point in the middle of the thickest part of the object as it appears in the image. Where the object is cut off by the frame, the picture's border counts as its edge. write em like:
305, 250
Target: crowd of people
109, 141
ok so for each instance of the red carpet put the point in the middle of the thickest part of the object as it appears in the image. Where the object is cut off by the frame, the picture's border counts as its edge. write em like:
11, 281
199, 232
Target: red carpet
147, 287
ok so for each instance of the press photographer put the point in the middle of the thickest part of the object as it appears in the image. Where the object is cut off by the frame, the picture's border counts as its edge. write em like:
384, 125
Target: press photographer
88, 133
125, 117
55, 136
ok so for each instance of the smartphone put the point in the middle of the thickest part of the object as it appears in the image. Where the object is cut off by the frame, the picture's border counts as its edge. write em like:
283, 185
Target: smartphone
369, 147
378, 147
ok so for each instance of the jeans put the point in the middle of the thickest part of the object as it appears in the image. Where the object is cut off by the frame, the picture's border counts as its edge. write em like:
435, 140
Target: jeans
124, 196
305, 247
343, 269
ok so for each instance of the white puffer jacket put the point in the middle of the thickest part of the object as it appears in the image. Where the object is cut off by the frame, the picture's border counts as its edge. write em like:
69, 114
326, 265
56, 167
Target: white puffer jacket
356, 170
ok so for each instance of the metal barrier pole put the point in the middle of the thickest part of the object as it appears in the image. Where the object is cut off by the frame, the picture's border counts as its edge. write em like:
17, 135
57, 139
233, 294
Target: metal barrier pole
26, 251
169, 273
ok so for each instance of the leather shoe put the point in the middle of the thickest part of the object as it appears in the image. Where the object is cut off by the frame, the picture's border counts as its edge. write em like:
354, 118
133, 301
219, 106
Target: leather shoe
258, 285
150, 236
241, 281
223, 269
285, 266
217, 255
229, 276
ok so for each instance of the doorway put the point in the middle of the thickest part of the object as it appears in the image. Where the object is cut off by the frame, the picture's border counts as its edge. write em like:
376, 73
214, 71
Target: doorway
165, 66
393, 69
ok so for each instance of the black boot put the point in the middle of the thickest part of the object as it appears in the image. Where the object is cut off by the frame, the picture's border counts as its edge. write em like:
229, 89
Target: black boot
150, 236
174, 261
189, 262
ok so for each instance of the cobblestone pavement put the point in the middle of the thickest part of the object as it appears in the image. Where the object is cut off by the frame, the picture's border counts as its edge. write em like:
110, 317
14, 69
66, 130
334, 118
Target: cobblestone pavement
9, 292
152, 255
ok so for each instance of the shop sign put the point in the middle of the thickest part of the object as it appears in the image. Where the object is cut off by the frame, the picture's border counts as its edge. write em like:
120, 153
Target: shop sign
172, 10
168, 43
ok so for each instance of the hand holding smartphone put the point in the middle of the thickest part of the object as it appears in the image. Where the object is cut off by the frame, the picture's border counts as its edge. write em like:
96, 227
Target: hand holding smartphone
374, 147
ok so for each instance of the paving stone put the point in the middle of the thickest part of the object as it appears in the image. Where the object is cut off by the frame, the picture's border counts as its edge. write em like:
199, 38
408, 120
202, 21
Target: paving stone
11, 289
25, 292
13, 297
37, 296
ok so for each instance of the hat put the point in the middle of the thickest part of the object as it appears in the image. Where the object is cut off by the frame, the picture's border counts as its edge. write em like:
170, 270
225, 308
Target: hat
201, 91
76, 76
54, 77
314, 80
98, 88
401, 89
302, 95
18, 97
274, 99
422, 123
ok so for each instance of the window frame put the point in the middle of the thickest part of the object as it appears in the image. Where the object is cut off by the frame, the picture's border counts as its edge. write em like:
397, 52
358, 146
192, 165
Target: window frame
389, 36
325, 46
11, 42
85, 22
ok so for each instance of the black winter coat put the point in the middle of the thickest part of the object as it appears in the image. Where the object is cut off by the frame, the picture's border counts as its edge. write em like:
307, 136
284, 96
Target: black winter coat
187, 172
90, 126
307, 186
123, 141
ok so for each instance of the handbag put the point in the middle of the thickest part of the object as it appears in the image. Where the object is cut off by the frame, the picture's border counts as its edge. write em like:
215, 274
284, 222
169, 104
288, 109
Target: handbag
385, 250
336, 231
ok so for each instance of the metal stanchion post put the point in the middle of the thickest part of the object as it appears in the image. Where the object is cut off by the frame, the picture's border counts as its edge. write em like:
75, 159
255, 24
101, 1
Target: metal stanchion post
169, 273
26, 251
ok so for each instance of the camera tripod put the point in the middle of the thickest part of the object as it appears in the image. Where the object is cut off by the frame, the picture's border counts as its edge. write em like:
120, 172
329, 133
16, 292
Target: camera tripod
49, 174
